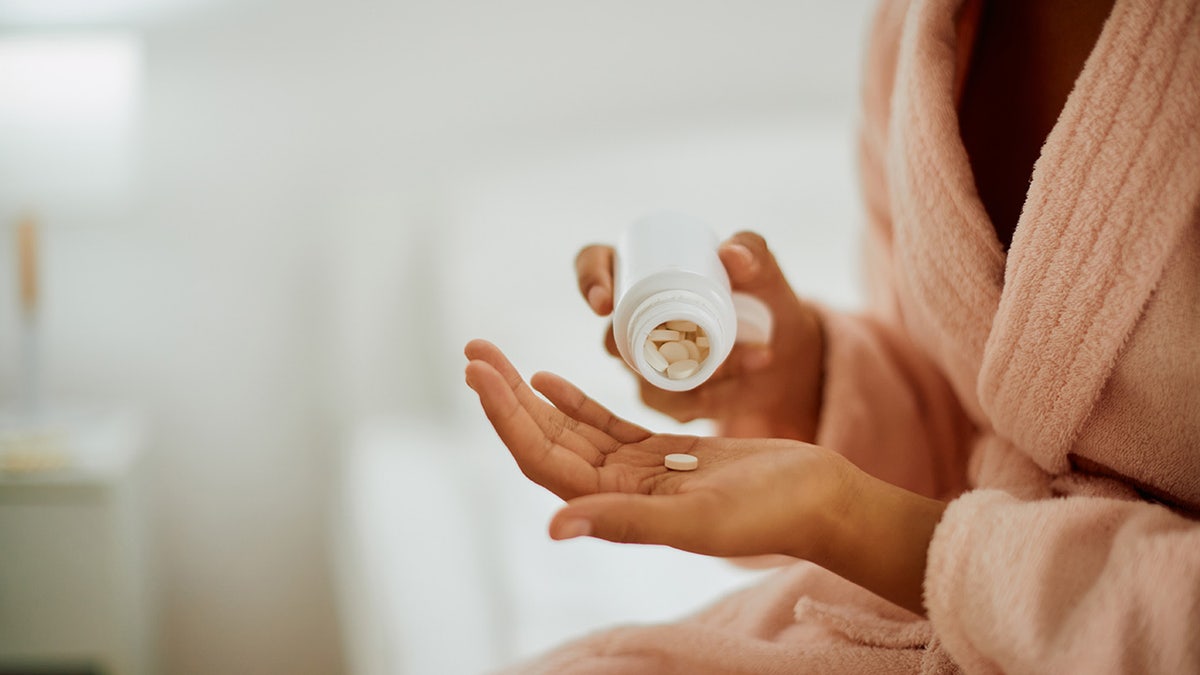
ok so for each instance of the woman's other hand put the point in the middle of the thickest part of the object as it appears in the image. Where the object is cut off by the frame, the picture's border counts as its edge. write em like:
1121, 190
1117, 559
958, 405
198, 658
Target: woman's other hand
761, 390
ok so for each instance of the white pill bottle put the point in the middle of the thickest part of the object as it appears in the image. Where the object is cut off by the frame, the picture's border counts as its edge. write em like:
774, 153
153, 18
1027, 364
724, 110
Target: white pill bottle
667, 272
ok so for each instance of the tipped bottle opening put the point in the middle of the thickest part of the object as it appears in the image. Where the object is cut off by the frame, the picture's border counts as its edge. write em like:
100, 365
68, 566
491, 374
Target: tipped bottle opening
677, 349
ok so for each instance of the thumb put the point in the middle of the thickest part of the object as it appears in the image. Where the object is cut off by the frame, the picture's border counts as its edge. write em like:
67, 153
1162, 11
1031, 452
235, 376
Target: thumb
680, 520
752, 267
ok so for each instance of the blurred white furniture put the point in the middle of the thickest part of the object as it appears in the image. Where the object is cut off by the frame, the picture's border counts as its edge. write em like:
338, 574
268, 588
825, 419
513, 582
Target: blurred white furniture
444, 565
74, 591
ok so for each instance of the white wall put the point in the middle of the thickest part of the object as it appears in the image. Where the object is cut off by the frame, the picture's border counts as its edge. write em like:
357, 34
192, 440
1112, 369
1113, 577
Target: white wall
321, 179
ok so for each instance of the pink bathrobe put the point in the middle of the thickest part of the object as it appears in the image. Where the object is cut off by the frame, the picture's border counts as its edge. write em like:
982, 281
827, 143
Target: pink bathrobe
1053, 393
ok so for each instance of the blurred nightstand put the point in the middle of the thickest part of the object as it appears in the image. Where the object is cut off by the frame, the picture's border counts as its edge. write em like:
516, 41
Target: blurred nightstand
74, 583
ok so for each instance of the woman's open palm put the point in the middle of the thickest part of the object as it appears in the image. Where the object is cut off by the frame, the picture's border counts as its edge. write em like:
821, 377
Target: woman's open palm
749, 496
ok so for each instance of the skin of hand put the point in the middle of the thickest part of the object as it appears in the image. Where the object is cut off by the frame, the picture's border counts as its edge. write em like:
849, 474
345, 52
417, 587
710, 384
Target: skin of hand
769, 390
748, 496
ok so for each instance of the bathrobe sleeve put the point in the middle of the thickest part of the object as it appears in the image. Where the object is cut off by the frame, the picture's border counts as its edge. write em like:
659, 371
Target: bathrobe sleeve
1077, 584
887, 408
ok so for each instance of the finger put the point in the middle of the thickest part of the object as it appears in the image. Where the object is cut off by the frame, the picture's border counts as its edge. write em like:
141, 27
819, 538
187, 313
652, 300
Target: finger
704, 402
578, 405
593, 270
610, 341
744, 358
739, 263
546, 463
684, 520
720, 393
752, 267
682, 406
559, 428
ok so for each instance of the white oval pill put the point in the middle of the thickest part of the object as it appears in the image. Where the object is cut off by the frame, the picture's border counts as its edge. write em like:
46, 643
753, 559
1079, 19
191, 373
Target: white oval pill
681, 369
702, 341
681, 462
660, 335
655, 359
681, 325
673, 351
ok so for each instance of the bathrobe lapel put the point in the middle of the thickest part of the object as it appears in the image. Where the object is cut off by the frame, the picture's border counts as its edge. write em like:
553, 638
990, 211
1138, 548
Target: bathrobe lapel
1117, 183
950, 267
1029, 342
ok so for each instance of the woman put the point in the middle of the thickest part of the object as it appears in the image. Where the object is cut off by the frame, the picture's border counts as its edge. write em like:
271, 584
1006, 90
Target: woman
1005, 456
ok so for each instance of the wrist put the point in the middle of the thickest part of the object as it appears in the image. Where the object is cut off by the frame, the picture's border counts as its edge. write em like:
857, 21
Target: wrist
828, 516
797, 413
801, 418
881, 541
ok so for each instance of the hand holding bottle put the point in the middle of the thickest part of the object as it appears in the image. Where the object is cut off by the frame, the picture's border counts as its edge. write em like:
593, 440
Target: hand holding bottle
760, 390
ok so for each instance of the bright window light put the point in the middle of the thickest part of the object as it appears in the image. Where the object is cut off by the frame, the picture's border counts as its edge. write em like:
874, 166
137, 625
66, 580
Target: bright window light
85, 12
68, 117
52, 82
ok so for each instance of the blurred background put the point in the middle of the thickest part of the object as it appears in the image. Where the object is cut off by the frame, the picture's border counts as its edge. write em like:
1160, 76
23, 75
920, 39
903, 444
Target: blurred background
235, 435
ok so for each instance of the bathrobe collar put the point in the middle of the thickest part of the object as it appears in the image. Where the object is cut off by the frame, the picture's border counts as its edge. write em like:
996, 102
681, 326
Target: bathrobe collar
1028, 341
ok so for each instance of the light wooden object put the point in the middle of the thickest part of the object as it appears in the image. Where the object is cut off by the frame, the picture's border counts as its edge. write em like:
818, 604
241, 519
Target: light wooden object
27, 264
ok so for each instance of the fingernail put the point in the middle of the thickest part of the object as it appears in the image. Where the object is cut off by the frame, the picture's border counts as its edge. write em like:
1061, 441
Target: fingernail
743, 253
596, 297
575, 527
748, 263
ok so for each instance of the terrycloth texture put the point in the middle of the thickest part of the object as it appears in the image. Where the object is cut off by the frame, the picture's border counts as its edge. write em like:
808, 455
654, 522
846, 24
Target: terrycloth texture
802, 619
1074, 585
1061, 381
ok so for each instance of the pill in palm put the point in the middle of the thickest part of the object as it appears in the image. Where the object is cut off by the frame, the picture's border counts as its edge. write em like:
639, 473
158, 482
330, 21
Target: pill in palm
673, 351
656, 360
681, 462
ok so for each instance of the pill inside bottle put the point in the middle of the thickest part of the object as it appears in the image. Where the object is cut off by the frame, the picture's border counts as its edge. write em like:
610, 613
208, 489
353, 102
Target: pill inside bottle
676, 348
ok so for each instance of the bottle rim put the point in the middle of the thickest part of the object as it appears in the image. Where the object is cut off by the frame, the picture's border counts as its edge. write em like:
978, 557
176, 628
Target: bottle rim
675, 305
